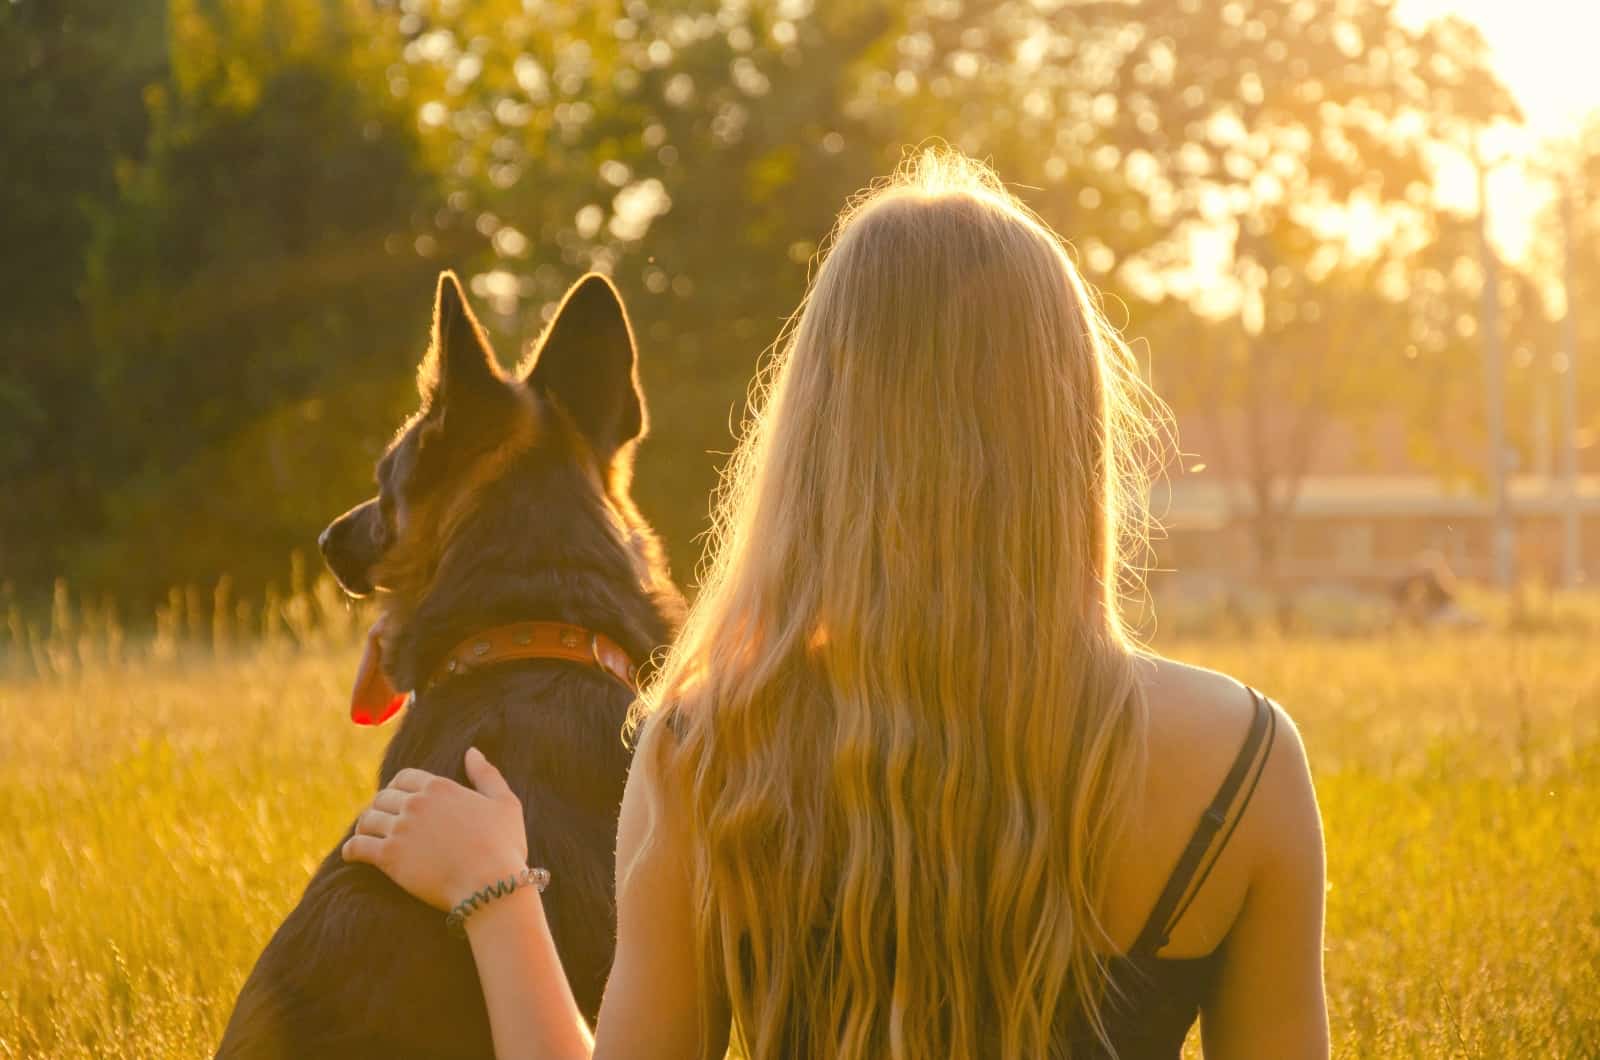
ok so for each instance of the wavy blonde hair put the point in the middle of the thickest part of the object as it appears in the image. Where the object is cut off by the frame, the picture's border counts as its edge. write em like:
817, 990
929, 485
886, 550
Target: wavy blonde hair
906, 720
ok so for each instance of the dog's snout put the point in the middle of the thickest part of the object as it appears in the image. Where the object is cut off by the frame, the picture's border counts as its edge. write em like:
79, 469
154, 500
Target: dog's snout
350, 548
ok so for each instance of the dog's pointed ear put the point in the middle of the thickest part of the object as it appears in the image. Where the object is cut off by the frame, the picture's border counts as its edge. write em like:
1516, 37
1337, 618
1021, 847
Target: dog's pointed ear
588, 364
460, 364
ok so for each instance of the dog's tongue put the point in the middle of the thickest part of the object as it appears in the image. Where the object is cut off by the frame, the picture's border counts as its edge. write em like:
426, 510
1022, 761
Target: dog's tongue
374, 700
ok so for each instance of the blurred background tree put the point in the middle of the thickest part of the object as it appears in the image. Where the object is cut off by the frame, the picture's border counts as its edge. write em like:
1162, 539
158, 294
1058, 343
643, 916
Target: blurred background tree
71, 75
240, 286
222, 218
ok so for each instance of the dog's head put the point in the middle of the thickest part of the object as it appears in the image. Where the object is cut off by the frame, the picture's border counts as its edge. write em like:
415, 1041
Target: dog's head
579, 389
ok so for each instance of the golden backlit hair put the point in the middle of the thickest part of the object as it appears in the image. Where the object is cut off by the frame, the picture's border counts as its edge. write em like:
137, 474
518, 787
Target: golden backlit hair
902, 713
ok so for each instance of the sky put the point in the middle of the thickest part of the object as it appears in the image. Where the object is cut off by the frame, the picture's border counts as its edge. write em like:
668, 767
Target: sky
1545, 52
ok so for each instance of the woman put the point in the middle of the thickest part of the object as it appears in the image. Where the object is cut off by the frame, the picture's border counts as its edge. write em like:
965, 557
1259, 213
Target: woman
905, 788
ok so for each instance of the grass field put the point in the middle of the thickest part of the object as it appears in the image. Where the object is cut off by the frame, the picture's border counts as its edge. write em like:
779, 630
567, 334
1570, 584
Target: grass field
158, 819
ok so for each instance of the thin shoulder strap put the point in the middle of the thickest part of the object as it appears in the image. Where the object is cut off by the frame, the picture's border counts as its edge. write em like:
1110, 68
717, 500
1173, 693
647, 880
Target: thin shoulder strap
1250, 762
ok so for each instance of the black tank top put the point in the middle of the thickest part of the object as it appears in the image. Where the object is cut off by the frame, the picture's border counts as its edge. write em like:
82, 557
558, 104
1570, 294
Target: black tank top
1153, 1001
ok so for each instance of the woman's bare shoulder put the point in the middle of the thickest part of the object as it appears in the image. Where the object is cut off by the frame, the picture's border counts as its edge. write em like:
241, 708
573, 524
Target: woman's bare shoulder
1199, 719
1264, 903
1192, 707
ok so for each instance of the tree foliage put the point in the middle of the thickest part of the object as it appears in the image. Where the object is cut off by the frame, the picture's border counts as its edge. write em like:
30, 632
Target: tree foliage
71, 73
223, 262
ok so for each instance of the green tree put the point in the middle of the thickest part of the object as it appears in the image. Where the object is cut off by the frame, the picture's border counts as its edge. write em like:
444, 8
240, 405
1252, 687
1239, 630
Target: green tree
1290, 140
71, 72
256, 292
249, 294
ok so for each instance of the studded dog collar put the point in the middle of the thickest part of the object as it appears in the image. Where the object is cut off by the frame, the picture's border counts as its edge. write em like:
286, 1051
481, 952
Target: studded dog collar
537, 640
374, 700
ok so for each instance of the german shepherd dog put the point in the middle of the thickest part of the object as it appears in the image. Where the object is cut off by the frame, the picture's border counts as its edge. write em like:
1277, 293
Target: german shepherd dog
504, 500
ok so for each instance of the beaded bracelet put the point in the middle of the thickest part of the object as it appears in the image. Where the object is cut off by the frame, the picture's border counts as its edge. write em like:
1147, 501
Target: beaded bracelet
456, 920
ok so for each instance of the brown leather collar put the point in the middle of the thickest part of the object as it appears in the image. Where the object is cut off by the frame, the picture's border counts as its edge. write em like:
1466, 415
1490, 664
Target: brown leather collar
538, 640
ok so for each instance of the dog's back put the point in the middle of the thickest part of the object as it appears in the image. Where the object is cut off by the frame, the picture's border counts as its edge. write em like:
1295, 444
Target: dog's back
508, 508
362, 969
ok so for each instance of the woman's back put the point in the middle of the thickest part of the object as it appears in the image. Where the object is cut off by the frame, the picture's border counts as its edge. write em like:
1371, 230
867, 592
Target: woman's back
1225, 843
1220, 919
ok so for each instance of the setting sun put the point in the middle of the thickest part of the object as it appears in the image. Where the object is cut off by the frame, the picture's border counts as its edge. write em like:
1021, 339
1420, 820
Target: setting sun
1544, 49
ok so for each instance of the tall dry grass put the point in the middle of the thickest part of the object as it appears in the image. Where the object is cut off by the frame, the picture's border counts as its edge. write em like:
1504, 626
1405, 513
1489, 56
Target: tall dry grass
163, 800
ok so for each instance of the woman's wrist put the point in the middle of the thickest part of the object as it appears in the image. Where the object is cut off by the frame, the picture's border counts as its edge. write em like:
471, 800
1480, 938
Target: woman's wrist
494, 893
521, 910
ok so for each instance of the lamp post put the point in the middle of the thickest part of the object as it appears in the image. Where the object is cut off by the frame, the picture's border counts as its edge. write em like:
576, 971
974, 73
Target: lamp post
1501, 535
1567, 362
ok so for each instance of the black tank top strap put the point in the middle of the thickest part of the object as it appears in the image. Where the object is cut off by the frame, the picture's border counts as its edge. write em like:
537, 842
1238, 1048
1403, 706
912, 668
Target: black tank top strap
1249, 764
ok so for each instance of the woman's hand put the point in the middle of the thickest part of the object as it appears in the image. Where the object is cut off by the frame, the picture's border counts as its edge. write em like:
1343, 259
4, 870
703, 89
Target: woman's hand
441, 841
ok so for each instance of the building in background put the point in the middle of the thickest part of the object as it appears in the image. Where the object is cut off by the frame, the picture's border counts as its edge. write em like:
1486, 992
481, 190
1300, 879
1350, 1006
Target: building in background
1359, 509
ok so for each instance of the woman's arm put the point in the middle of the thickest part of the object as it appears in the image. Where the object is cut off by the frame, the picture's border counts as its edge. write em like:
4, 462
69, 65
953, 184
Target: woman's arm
1269, 999
442, 841
651, 1004
531, 1009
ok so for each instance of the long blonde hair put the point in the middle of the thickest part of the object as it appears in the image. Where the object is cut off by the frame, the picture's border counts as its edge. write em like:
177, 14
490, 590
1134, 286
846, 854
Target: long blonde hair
904, 714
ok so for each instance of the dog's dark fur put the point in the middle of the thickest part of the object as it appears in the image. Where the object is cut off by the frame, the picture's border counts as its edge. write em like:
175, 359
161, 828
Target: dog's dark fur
505, 499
